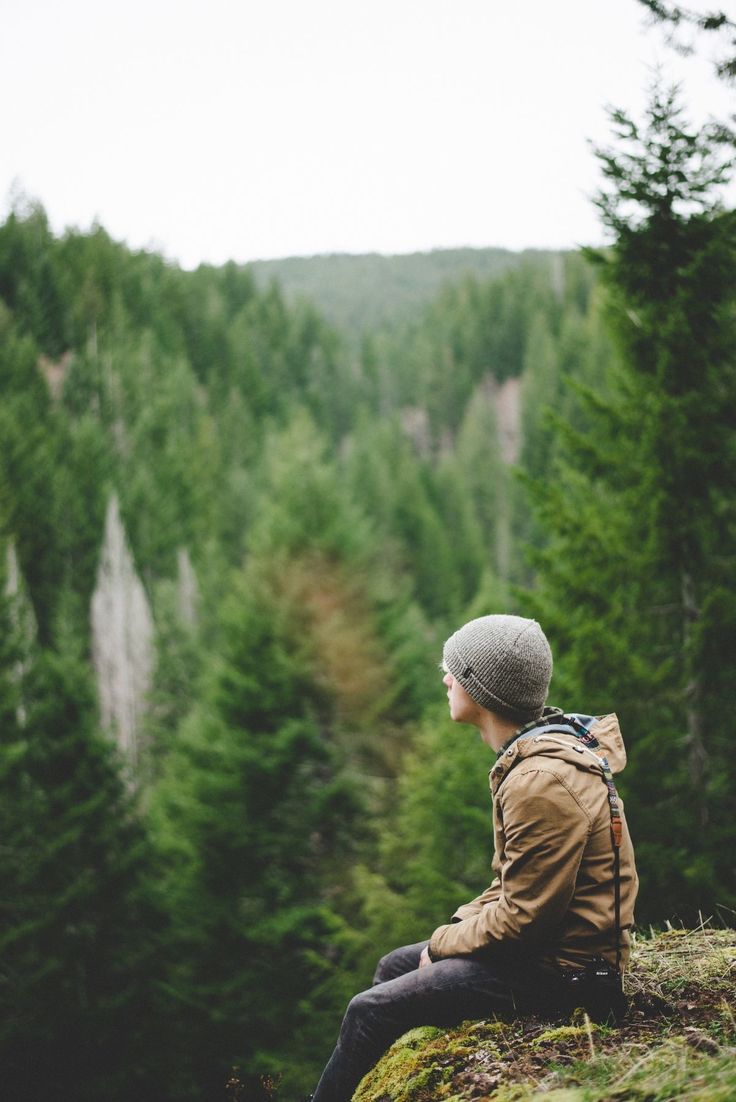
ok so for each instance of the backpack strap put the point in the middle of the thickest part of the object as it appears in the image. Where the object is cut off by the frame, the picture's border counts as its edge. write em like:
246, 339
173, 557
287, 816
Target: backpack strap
588, 739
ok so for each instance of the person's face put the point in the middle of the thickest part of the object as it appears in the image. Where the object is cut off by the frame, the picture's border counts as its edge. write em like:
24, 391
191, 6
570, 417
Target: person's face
463, 708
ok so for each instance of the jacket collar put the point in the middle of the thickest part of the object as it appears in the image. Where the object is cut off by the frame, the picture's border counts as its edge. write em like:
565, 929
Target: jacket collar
548, 716
606, 732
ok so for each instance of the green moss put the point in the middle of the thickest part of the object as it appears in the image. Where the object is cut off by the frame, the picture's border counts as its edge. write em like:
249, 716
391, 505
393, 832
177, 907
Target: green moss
417, 1038
485, 1030
408, 1072
419, 1066
564, 1033
687, 1054
469, 1036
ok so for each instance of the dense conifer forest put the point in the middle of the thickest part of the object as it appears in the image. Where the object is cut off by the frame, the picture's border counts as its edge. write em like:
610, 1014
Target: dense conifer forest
233, 540
360, 294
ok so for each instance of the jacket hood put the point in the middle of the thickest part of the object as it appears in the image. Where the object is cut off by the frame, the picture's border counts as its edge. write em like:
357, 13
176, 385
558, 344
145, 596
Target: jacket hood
550, 739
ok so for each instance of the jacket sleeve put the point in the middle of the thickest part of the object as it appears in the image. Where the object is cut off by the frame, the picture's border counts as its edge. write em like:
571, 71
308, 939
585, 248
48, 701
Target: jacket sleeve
545, 831
490, 895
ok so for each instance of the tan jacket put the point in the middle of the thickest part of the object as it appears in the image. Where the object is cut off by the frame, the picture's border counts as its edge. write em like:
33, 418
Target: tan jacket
553, 889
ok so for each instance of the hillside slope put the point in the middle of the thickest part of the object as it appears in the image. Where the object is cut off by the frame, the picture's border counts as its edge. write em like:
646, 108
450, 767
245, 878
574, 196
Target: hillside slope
679, 1041
365, 292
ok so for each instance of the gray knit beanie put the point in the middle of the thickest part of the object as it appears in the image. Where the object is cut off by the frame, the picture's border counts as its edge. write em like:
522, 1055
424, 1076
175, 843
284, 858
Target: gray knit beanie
504, 663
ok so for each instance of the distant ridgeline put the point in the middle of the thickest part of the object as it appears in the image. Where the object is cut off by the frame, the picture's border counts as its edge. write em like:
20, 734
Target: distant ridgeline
360, 293
232, 539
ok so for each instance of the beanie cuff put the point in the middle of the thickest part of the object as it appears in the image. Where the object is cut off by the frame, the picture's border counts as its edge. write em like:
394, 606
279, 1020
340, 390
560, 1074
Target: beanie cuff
521, 711
482, 695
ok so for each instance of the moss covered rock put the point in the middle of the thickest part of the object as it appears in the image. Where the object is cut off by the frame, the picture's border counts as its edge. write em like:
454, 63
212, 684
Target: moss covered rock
418, 1067
679, 1041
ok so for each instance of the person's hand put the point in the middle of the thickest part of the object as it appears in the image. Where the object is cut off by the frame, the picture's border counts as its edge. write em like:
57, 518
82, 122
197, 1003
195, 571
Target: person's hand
424, 959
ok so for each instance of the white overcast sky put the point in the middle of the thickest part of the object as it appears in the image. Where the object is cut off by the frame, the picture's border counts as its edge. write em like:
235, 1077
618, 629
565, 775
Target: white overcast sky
242, 129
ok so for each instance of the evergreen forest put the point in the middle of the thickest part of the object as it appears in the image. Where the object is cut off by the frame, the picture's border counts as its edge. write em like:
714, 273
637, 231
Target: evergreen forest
233, 537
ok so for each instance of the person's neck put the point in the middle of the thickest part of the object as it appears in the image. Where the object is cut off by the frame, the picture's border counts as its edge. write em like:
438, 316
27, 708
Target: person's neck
496, 730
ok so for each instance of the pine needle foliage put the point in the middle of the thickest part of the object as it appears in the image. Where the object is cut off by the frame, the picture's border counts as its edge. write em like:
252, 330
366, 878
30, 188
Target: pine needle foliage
79, 974
640, 516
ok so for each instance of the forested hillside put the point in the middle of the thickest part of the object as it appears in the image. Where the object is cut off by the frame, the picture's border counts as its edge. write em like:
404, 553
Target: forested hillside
359, 294
232, 545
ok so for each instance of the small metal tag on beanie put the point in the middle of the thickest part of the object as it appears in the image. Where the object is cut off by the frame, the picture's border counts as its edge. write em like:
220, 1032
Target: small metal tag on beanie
467, 671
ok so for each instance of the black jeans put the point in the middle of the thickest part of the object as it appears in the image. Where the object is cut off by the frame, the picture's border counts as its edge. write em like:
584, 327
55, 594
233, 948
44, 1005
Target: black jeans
442, 994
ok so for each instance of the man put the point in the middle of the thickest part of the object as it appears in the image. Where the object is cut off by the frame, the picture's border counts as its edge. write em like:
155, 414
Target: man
551, 931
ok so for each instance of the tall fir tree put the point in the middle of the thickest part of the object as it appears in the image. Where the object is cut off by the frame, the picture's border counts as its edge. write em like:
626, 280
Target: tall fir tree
251, 817
640, 511
79, 979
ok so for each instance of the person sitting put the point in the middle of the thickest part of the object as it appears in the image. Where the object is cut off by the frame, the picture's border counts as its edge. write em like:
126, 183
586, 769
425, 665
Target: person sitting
551, 931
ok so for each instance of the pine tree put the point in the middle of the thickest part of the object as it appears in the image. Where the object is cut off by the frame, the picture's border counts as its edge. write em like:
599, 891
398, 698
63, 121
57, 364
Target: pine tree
252, 814
640, 517
435, 841
272, 781
714, 22
79, 995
